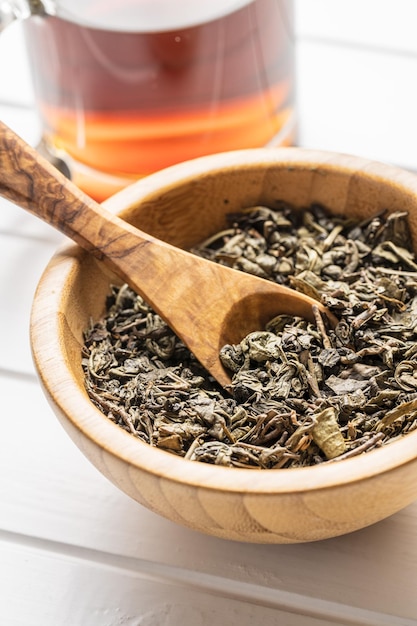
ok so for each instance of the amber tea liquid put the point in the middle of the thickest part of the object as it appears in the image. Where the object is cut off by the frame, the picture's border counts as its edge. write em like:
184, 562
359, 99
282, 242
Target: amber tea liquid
126, 88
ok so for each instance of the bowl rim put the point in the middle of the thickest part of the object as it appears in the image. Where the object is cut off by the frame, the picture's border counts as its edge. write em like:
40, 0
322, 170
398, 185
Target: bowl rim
95, 426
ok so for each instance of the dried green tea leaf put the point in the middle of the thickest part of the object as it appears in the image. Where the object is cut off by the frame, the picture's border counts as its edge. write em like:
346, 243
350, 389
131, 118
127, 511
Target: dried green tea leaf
342, 386
397, 413
327, 434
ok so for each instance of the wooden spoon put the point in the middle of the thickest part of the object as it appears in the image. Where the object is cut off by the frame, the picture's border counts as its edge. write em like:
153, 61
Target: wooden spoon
207, 305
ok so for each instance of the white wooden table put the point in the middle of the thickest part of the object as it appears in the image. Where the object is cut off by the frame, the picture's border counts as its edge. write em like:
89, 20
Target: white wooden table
75, 551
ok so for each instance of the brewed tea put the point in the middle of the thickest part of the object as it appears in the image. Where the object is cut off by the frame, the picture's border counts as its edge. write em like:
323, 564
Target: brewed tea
122, 101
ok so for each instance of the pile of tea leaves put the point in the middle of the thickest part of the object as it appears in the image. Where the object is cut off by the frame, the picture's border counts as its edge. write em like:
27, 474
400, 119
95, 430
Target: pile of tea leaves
301, 393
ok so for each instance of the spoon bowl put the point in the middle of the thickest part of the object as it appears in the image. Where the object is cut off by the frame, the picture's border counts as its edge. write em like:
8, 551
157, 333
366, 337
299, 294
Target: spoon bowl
207, 305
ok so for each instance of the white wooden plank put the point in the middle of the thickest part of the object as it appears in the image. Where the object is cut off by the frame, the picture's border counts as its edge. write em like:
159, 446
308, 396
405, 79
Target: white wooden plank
80, 587
382, 24
48, 490
24, 121
17, 222
357, 102
41, 588
22, 261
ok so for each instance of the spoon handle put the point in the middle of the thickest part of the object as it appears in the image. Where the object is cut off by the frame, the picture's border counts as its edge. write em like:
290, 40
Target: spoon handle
167, 277
30, 181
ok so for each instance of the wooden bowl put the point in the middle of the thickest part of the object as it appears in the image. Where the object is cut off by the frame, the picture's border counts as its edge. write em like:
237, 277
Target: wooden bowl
183, 205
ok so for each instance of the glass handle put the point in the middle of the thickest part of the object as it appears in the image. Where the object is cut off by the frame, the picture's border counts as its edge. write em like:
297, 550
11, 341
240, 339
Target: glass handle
19, 9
